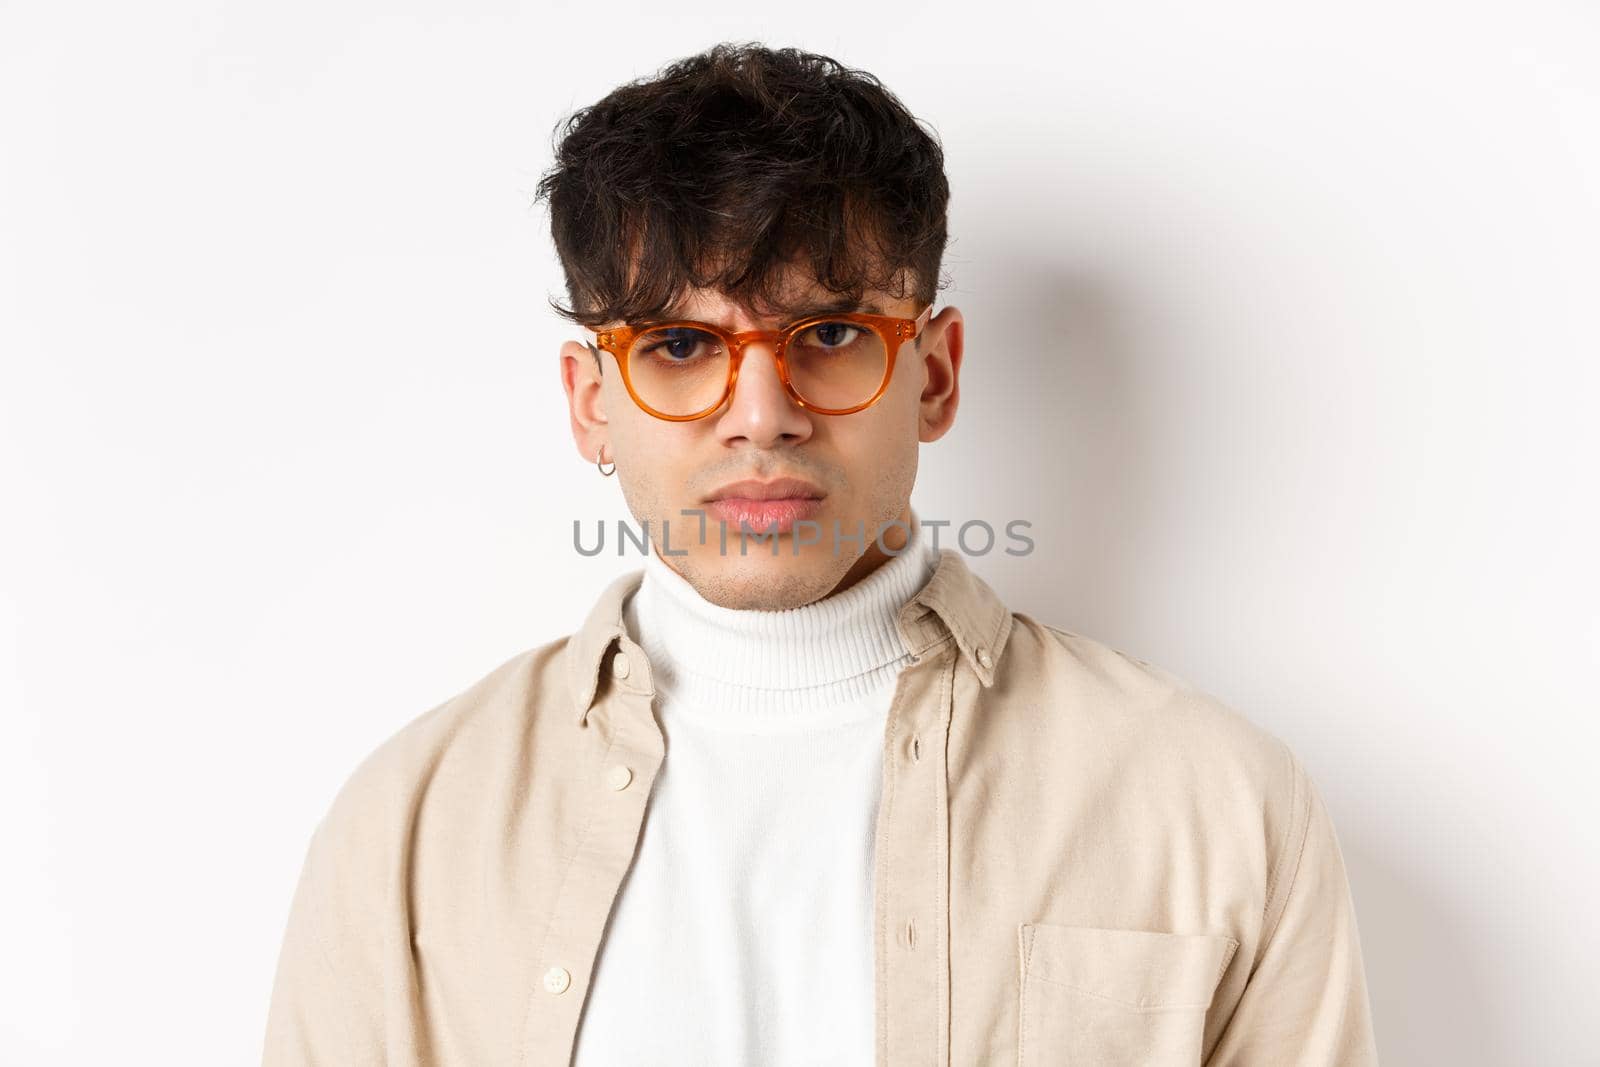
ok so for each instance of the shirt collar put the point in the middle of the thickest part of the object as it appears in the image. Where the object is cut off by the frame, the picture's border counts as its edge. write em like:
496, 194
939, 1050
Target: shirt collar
954, 602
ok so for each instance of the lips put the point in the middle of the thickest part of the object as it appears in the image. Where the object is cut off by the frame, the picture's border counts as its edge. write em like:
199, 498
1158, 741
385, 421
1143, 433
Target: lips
777, 489
765, 507
764, 516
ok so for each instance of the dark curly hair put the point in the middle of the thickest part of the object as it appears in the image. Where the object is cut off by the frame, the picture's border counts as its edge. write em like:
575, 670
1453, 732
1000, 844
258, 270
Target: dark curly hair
728, 166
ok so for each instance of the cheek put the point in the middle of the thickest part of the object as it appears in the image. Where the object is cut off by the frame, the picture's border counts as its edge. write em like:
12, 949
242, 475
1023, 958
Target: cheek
902, 406
905, 388
656, 458
644, 447
881, 452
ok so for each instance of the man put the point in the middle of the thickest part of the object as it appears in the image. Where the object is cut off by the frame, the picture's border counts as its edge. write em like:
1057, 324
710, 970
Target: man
802, 790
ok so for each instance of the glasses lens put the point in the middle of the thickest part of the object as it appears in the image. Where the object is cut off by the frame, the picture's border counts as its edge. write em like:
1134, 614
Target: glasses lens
678, 370
836, 365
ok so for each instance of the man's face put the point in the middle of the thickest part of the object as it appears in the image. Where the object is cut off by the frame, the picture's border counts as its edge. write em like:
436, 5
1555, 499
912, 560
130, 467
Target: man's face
863, 465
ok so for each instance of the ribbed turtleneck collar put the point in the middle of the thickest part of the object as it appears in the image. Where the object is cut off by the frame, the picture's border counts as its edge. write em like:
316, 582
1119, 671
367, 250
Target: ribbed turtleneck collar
817, 664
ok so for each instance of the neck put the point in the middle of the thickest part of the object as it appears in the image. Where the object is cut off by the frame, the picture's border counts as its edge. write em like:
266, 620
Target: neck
895, 539
801, 665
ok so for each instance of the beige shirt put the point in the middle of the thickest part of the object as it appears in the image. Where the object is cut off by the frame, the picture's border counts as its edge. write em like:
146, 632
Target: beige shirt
1079, 859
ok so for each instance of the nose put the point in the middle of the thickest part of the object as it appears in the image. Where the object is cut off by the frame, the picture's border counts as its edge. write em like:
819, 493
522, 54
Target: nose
759, 410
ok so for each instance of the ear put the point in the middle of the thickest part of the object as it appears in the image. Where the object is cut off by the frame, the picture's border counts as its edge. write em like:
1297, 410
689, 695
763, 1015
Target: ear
940, 353
581, 378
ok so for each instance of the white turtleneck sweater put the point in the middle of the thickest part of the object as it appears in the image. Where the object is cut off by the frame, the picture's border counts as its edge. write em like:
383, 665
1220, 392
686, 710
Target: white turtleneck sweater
743, 933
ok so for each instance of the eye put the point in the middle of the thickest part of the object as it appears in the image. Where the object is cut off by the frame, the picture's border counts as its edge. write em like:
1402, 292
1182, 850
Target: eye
676, 344
830, 335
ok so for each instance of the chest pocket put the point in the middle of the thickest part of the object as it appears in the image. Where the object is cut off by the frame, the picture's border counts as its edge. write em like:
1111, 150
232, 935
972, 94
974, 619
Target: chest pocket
1113, 997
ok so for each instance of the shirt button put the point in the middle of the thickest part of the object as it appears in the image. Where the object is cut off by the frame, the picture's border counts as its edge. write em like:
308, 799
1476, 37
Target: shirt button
556, 979
618, 777
619, 665
983, 658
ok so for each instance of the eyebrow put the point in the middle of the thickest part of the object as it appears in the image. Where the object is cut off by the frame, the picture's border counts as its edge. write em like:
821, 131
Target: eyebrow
830, 308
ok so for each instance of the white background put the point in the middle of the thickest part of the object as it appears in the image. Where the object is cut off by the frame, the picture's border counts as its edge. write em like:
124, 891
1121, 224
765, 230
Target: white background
1281, 330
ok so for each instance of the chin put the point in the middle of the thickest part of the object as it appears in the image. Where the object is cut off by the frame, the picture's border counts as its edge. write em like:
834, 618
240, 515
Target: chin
762, 581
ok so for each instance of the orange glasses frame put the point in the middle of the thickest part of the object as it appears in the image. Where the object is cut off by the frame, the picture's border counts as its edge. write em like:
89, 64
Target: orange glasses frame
893, 330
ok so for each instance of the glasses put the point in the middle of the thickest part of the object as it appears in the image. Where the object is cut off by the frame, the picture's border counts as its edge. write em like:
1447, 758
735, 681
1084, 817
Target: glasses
833, 364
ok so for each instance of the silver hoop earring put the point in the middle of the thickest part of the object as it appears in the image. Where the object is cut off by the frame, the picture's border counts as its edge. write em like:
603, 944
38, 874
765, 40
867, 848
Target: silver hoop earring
599, 460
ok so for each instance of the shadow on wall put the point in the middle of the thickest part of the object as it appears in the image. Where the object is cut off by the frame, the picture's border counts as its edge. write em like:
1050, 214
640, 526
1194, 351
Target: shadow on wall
1052, 410
1432, 999
1069, 421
